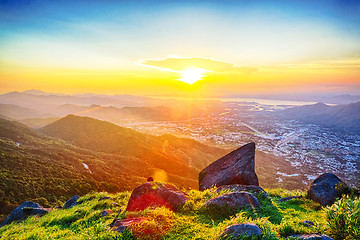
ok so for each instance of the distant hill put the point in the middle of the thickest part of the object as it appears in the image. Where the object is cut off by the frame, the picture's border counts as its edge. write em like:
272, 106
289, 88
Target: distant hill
37, 122
12, 111
45, 103
114, 114
340, 117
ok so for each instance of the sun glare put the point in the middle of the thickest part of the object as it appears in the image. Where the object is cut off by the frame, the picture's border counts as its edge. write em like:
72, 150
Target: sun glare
192, 75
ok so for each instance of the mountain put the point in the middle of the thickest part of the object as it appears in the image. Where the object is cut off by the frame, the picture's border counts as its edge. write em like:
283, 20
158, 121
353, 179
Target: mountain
340, 117
37, 122
166, 152
36, 166
16, 112
45, 103
106, 158
115, 115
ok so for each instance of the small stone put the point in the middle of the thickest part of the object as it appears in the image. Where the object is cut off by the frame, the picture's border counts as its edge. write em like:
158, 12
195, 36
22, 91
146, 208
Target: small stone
106, 212
121, 225
308, 223
104, 198
71, 202
150, 179
238, 230
313, 236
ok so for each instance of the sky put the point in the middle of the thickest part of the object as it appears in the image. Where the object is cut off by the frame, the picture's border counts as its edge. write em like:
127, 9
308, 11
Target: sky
202, 48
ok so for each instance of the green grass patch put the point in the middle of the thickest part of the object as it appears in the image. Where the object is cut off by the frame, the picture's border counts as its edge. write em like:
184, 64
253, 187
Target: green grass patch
277, 220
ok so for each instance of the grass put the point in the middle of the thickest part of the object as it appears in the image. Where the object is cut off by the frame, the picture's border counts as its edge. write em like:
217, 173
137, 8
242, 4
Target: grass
277, 220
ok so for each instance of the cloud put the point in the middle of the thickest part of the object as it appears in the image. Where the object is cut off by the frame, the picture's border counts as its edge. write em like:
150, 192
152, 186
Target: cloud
179, 64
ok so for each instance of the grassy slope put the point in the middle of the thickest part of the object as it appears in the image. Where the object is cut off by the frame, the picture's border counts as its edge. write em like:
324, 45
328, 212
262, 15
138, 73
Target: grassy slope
277, 221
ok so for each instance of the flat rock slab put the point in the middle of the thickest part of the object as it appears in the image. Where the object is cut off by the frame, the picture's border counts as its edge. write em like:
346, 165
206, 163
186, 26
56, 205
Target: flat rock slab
234, 200
156, 194
311, 237
324, 189
239, 230
237, 167
24, 211
240, 188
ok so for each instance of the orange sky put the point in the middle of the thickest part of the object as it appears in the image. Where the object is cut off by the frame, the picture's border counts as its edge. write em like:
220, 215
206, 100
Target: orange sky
144, 49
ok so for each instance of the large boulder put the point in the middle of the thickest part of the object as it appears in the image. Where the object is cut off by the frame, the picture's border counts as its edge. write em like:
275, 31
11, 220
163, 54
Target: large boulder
234, 200
237, 167
240, 230
324, 189
156, 194
312, 236
24, 211
240, 188
71, 202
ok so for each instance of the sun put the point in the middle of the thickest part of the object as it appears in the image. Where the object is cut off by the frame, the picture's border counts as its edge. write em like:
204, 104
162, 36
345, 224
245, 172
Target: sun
192, 75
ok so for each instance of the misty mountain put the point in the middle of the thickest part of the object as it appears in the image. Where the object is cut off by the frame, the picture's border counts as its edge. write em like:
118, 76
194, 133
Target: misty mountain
340, 117
16, 112
37, 122
45, 103
114, 115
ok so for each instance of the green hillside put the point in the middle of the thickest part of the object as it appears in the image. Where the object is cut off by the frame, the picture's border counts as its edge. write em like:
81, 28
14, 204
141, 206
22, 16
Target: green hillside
182, 157
276, 219
46, 169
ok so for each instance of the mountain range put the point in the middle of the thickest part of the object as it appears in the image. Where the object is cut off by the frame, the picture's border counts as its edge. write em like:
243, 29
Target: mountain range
340, 117
35, 104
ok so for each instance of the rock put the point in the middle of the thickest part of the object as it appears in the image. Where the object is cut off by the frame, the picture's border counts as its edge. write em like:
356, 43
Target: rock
324, 189
104, 198
308, 223
237, 167
150, 179
239, 230
240, 188
106, 212
288, 198
155, 194
121, 225
234, 200
23, 211
71, 202
311, 237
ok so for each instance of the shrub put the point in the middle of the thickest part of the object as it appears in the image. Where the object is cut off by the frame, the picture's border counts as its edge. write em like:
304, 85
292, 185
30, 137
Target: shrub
344, 218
